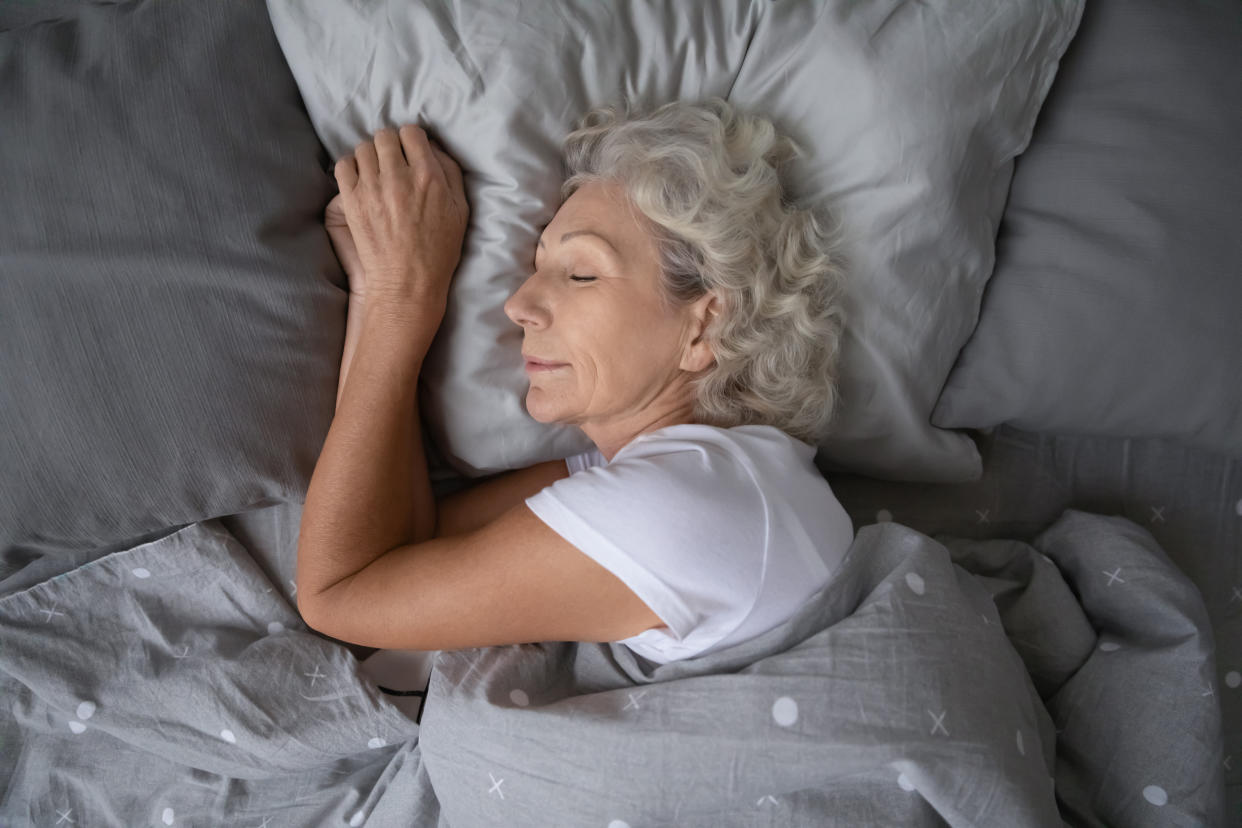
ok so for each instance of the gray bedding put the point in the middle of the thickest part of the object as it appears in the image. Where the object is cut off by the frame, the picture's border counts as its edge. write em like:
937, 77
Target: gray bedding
165, 678
173, 683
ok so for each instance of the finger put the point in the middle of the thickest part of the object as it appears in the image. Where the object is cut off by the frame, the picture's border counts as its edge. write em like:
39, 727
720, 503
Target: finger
368, 161
418, 149
388, 150
346, 172
452, 174
334, 213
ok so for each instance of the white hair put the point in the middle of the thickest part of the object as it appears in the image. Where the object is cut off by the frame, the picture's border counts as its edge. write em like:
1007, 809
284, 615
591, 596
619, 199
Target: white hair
705, 177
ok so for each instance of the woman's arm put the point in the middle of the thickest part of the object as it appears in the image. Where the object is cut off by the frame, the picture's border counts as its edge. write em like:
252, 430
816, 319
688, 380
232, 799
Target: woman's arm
353, 329
337, 225
484, 501
370, 491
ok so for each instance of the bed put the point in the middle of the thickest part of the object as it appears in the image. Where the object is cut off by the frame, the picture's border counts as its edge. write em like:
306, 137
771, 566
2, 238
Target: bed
1040, 621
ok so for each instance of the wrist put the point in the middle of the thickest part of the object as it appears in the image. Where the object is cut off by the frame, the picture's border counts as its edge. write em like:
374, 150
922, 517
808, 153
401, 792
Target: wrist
412, 304
409, 325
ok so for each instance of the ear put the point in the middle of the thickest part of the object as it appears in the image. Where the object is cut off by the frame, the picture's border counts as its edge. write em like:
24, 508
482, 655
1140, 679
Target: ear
698, 354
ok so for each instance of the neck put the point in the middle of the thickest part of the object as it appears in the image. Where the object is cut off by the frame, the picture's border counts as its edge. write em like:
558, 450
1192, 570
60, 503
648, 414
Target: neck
611, 437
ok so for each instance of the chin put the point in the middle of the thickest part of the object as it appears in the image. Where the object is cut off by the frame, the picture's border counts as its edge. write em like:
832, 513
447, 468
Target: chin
541, 409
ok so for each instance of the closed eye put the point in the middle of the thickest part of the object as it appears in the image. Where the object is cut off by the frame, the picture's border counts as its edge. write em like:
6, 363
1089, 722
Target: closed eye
582, 278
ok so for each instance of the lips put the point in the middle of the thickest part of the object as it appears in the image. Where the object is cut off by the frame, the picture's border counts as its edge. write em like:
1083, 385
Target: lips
538, 361
536, 364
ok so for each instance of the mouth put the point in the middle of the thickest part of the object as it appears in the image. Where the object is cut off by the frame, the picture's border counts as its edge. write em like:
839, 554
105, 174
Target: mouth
539, 365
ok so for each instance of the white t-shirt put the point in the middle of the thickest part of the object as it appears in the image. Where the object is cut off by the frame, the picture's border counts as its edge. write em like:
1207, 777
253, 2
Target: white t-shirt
723, 532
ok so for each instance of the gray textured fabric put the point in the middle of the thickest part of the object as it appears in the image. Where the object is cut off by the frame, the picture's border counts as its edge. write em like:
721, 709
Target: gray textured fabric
1114, 307
909, 112
172, 682
14, 14
1189, 499
171, 313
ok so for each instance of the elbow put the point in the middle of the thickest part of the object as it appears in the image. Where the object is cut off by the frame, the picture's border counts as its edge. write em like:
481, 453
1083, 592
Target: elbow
309, 613
319, 610
309, 605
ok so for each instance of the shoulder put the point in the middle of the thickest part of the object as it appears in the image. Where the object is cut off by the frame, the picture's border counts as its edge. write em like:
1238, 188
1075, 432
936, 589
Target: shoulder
741, 455
676, 465
708, 441
667, 499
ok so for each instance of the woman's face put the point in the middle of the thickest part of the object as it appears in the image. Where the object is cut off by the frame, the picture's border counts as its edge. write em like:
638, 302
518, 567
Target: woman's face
593, 306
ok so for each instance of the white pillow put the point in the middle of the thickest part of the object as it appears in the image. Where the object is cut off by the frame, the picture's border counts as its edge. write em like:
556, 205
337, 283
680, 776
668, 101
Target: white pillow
909, 113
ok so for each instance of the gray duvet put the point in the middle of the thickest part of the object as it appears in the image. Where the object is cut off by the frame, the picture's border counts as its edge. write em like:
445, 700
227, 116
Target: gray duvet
932, 681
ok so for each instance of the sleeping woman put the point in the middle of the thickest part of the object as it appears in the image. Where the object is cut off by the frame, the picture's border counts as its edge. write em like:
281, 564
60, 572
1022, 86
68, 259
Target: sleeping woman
679, 312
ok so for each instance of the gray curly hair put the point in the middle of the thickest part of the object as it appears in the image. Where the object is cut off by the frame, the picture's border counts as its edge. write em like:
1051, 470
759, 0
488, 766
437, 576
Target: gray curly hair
703, 178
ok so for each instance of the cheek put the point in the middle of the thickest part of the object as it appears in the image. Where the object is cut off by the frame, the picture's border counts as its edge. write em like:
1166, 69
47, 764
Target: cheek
616, 350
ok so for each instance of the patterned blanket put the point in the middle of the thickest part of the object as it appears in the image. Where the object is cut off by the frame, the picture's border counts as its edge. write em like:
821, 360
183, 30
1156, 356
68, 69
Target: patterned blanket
931, 681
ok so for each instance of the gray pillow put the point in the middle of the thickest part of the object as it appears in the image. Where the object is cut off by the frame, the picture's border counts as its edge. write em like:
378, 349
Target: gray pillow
171, 312
910, 114
15, 14
1116, 304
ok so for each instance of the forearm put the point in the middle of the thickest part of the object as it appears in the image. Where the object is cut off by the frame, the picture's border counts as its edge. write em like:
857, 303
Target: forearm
370, 491
353, 327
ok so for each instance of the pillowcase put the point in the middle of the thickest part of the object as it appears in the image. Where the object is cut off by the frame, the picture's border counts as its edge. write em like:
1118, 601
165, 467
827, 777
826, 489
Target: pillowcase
1114, 309
910, 114
171, 312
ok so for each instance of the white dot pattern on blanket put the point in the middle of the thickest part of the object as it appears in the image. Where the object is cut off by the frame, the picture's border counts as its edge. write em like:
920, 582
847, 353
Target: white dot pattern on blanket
519, 698
1155, 795
168, 816
884, 516
915, 581
1237, 507
376, 742
1233, 678
275, 627
785, 711
227, 735
1021, 745
356, 819
904, 783
85, 710
1109, 646
141, 572
618, 823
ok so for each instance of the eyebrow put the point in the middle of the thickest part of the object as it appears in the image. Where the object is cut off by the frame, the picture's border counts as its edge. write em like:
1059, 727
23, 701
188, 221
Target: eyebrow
573, 233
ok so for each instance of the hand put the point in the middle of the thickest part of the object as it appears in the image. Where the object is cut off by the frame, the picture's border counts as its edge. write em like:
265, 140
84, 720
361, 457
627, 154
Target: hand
343, 242
406, 209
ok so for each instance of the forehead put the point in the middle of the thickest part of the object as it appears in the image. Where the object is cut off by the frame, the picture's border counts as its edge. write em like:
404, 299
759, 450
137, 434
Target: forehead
596, 197
603, 208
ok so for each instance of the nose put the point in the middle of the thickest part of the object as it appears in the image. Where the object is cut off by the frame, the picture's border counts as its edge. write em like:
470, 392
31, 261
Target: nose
526, 307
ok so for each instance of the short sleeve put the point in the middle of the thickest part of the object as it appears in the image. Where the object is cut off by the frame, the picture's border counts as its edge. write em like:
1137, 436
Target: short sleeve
685, 529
